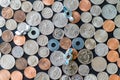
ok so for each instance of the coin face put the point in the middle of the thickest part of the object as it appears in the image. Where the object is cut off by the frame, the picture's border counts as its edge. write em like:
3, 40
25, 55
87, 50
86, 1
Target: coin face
112, 68
15, 4
86, 17
58, 33
42, 76
114, 77
85, 5
57, 6
116, 20
17, 74
90, 44
64, 77
112, 1
83, 70
76, 16
102, 76
26, 6
48, 2
43, 52
118, 6
4, 74
2, 22
76, 77
5, 47
90, 77
42, 40
98, 2
97, 22
95, 10
11, 24
38, 5
5, 3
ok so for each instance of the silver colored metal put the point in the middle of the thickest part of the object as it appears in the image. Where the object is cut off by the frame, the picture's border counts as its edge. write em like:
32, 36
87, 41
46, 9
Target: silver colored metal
97, 22
97, 2
86, 17
117, 20
42, 40
116, 33
42, 76
112, 68
83, 70
43, 52
95, 10
57, 6
102, 76
58, 33
90, 77
38, 5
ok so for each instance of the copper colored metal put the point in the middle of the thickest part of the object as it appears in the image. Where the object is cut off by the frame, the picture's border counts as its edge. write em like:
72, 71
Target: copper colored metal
48, 2
4, 74
76, 16
16, 75
75, 54
114, 77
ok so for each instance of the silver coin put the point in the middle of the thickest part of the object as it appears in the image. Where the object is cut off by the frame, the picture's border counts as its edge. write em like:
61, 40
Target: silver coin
43, 52
57, 6
65, 77
118, 6
117, 20
0, 55
90, 44
71, 5
70, 69
90, 77
76, 77
86, 17
109, 11
0, 32
17, 52
15, 4
99, 64
11, 24
58, 33
30, 47
101, 35
42, 40
2, 22
38, 5
5, 3
101, 49
97, 21
95, 10
83, 70
46, 27
47, 12
112, 1
119, 49
71, 30
42, 76
85, 56
55, 72
112, 68
87, 30
26, 6
102, 76
116, 33
98, 2
60, 20
57, 58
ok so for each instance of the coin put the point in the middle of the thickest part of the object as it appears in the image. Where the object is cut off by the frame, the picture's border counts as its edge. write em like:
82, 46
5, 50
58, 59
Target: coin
7, 61
64, 77
65, 43
58, 33
101, 49
113, 43
116, 33
95, 10
109, 11
112, 68
43, 52
85, 56
112, 56
32, 60
118, 6
17, 52
97, 2
2, 22
60, 20
102, 76
76, 16
57, 6
42, 76
74, 53
112, 1
16, 75
19, 40
101, 35
48, 2
22, 27
0, 54
26, 6
38, 5
30, 72
7, 12
83, 70
33, 18
4, 74
87, 30
70, 69
0, 32
44, 64
108, 25
97, 22
116, 20
5, 47
5, 3
11, 24
42, 40
15, 4
7, 36
99, 64
90, 77
86, 17
85, 5
76, 77
90, 43
114, 77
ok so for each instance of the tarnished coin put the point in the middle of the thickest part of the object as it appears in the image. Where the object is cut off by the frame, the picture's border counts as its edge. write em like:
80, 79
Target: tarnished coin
65, 77
118, 6
99, 64
112, 68
112, 1
57, 58
83, 70
7, 61
42, 76
76, 16
17, 52
116, 33
87, 30
7, 36
16, 75
5, 3
97, 21
32, 60
58, 33
21, 63
71, 5
2, 22
70, 69
46, 27
85, 56
11, 24
48, 2
42, 40
95, 10
26, 6
114, 77
101, 49
55, 72
86, 17
57, 6
102, 76
97, 2
76, 77
38, 5
30, 47
4, 74
116, 20
60, 20
109, 11
90, 77
43, 52
90, 44
33, 18
15, 4
101, 35
5, 47
71, 30
75, 54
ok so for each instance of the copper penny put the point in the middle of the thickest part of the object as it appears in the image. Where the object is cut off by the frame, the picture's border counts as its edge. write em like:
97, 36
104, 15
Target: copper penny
113, 43
7, 12
19, 40
65, 43
44, 64
16, 75
108, 25
4, 74
19, 16
118, 62
84, 5
5, 47
76, 16
74, 53
114, 77
7, 36
112, 56
30, 72
21, 63
48, 2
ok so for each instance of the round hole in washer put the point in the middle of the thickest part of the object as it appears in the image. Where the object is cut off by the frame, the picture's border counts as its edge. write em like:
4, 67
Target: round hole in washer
33, 32
53, 44
77, 43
